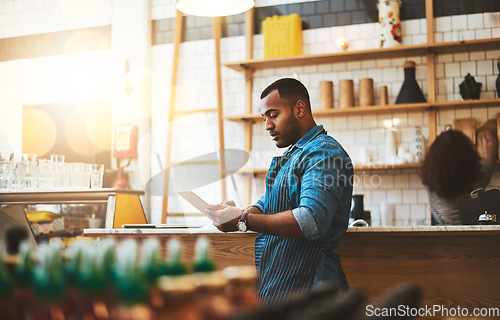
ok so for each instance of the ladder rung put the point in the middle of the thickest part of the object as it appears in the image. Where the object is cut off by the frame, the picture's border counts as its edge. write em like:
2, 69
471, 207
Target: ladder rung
186, 112
193, 163
185, 214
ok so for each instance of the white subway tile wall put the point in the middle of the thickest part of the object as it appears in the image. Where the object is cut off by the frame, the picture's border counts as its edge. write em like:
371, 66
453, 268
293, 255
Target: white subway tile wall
161, 9
66, 78
196, 88
26, 17
467, 27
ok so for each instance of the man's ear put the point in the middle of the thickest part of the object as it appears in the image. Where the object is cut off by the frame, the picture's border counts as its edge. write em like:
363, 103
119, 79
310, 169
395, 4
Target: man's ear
301, 109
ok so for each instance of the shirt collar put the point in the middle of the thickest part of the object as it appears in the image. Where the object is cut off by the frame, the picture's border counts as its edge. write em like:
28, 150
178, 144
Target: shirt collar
311, 134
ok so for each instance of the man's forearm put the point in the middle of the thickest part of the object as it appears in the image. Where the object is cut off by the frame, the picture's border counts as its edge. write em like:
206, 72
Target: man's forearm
281, 224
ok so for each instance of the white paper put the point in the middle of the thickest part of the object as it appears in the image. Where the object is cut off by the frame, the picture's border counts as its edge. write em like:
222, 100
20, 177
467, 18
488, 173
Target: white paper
196, 201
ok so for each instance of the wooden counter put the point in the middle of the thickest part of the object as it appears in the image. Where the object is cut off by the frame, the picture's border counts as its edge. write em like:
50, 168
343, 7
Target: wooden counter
455, 265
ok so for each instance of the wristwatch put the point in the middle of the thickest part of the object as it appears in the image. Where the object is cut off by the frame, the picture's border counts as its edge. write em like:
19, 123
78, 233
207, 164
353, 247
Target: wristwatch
242, 223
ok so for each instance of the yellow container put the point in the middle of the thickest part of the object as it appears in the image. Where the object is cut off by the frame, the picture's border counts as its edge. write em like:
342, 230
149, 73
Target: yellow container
282, 36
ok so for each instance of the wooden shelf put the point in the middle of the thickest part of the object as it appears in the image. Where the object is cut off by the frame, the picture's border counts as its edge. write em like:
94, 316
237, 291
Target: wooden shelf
465, 46
395, 52
255, 172
314, 59
466, 104
376, 167
407, 107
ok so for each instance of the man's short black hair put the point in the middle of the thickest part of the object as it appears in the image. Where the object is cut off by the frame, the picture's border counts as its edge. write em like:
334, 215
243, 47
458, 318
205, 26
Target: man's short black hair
290, 89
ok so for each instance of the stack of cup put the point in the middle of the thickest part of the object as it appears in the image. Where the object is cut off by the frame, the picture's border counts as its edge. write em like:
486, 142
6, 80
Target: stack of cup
96, 175
366, 92
346, 93
6, 172
326, 95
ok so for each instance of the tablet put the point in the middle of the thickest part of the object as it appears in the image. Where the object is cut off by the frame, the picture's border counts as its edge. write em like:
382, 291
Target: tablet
159, 226
196, 201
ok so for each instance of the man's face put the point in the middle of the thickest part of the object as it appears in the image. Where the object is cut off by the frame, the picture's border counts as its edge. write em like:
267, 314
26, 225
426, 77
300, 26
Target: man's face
280, 120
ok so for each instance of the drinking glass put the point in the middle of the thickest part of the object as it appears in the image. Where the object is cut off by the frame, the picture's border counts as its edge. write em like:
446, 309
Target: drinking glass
29, 157
96, 175
5, 174
57, 157
88, 174
46, 174
61, 174
78, 175
30, 179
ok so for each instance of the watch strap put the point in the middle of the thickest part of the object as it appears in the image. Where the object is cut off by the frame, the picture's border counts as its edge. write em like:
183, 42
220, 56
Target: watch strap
244, 215
242, 222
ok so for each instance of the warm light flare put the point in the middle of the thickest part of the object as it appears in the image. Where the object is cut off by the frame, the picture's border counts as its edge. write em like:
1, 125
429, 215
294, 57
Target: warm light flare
391, 123
82, 41
34, 140
77, 132
341, 43
98, 127
70, 77
84, 9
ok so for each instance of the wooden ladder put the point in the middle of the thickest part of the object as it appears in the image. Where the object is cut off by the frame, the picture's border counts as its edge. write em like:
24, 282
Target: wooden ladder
172, 112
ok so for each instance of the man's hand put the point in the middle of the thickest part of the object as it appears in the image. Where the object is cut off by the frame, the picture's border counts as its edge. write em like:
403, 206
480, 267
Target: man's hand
229, 203
225, 215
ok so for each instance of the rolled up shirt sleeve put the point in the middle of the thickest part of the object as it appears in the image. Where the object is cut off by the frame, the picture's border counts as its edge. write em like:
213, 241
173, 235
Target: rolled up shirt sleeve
306, 222
322, 186
260, 203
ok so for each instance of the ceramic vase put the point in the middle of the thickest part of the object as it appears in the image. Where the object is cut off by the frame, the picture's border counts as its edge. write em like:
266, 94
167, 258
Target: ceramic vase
470, 88
390, 25
497, 84
410, 90
390, 145
358, 211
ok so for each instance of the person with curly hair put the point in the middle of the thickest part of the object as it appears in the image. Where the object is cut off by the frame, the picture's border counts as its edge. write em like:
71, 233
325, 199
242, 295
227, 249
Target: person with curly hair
452, 169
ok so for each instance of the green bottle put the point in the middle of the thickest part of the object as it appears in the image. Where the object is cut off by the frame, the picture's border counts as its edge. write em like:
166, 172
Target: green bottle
6, 290
104, 268
175, 266
203, 262
107, 258
49, 282
153, 264
130, 284
23, 281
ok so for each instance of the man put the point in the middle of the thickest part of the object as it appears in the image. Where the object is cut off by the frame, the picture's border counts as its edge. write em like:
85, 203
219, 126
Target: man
305, 210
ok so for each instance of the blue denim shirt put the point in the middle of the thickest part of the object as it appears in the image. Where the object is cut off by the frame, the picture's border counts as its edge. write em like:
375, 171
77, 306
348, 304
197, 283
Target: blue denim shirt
314, 180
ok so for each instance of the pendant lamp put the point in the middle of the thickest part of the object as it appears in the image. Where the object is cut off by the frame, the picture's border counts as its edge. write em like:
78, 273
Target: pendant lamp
214, 8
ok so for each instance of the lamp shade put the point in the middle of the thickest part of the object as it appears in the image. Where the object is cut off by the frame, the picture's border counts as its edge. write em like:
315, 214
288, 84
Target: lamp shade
214, 8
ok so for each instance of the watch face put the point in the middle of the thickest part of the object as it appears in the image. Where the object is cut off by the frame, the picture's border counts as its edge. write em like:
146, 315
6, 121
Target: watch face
242, 226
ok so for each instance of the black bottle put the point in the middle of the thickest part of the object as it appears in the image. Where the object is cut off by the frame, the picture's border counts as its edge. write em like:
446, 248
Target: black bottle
358, 211
410, 91
497, 84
